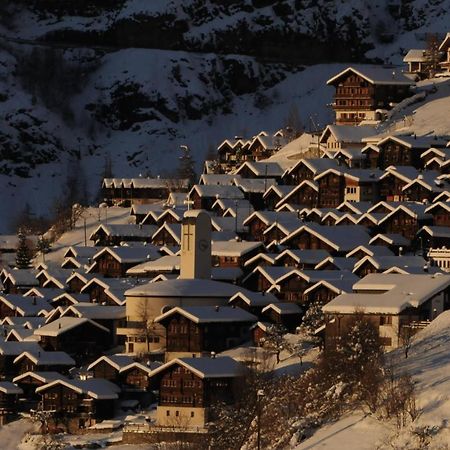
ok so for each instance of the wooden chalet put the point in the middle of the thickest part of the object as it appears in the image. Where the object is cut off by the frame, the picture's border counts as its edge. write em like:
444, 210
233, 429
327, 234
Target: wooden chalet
18, 281
204, 196
305, 194
441, 213
9, 401
188, 387
108, 367
115, 261
259, 221
141, 211
114, 235
366, 93
406, 220
77, 404
393, 182
43, 361
9, 351
345, 137
308, 169
362, 185
253, 302
167, 234
335, 240
198, 330
274, 194
287, 315
405, 150
301, 259
18, 305
445, 48
135, 191
83, 338
331, 188
234, 253
394, 303
260, 170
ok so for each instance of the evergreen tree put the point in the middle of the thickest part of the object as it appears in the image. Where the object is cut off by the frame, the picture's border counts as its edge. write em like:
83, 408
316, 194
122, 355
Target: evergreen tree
43, 246
186, 168
23, 254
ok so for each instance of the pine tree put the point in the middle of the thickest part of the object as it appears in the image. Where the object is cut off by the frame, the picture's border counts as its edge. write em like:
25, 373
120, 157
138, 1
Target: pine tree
23, 254
186, 168
43, 246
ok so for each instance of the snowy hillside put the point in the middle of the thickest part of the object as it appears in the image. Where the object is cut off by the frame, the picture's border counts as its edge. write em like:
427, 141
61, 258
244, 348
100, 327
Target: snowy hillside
429, 365
135, 79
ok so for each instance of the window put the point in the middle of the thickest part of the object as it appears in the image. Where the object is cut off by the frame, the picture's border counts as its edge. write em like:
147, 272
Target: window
192, 413
385, 320
167, 413
177, 413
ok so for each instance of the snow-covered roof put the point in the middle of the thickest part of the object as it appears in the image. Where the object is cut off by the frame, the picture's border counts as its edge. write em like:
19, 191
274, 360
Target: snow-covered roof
97, 388
128, 255
26, 306
400, 292
445, 43
12, 348
348, 133
184, 288
254, 298
223, 179
376, 75
125, 230
43, 358
262, 168
94, 311
386, 262
9, 388
283, 308
23, 277
42, 376
209, 314
116, 361
218, 191
65, 324
164, 264
391, 239
218, 367
342, 238
371, 250
436, 231
415, 55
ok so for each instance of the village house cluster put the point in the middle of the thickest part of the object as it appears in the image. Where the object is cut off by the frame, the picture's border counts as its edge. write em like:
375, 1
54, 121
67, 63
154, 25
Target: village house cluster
144, 314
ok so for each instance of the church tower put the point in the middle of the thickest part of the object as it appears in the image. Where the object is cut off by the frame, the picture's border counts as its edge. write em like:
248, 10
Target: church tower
196, 245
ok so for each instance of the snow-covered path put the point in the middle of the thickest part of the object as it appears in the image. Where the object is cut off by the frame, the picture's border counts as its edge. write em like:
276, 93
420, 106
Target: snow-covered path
12, 434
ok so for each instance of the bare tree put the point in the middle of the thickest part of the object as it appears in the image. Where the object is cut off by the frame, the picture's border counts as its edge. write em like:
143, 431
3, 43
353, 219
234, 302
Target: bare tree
147, 328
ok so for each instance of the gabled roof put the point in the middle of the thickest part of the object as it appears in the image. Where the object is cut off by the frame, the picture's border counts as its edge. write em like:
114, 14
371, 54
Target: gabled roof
209, 314
25, 306
338, 286
400, 291
391, 239
254, 185
283, 308
268, 217
115, 361
128, 255
22, 277
219, 367
307, 256
445, 43
386, 262
42, 376
415, 55
234, 248
97, 388
254, 298
436, 231
260, 168
43, 358
340, 262
376, 75
9, 388
348, 133
65, 324
342, 238
174, 229
217, 191
95, 311
125, 230
371, 250
163, 264
420, 142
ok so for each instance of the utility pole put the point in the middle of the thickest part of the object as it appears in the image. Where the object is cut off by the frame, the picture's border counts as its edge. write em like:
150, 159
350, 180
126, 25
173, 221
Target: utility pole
259, 396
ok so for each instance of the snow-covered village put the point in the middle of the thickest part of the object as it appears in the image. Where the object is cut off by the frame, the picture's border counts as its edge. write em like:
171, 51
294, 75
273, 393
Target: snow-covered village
225, 225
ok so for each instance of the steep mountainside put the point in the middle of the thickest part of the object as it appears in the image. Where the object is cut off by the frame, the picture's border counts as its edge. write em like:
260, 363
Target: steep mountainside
132, 80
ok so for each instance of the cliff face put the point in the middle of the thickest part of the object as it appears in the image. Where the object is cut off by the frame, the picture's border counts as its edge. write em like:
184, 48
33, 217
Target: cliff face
131, 80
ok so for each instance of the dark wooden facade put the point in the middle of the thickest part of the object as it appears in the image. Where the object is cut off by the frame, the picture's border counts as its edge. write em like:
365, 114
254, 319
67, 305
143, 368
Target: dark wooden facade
184, 335
331, 190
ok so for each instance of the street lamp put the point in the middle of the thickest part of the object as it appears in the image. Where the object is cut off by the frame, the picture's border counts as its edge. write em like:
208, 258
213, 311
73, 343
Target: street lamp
259, 396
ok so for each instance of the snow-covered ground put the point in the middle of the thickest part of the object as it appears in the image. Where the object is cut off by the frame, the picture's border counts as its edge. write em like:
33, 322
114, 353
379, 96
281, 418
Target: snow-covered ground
428, 363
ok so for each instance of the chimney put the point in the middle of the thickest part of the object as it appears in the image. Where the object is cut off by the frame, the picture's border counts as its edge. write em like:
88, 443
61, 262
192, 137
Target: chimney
217, 309
34, 300
59, 325
213, 355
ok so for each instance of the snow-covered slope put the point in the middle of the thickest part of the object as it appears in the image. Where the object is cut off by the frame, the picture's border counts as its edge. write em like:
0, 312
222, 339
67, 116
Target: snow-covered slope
135, 79
428, 363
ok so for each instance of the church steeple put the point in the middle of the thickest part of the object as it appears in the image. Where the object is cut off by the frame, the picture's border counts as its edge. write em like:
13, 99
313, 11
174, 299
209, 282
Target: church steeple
196, 245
